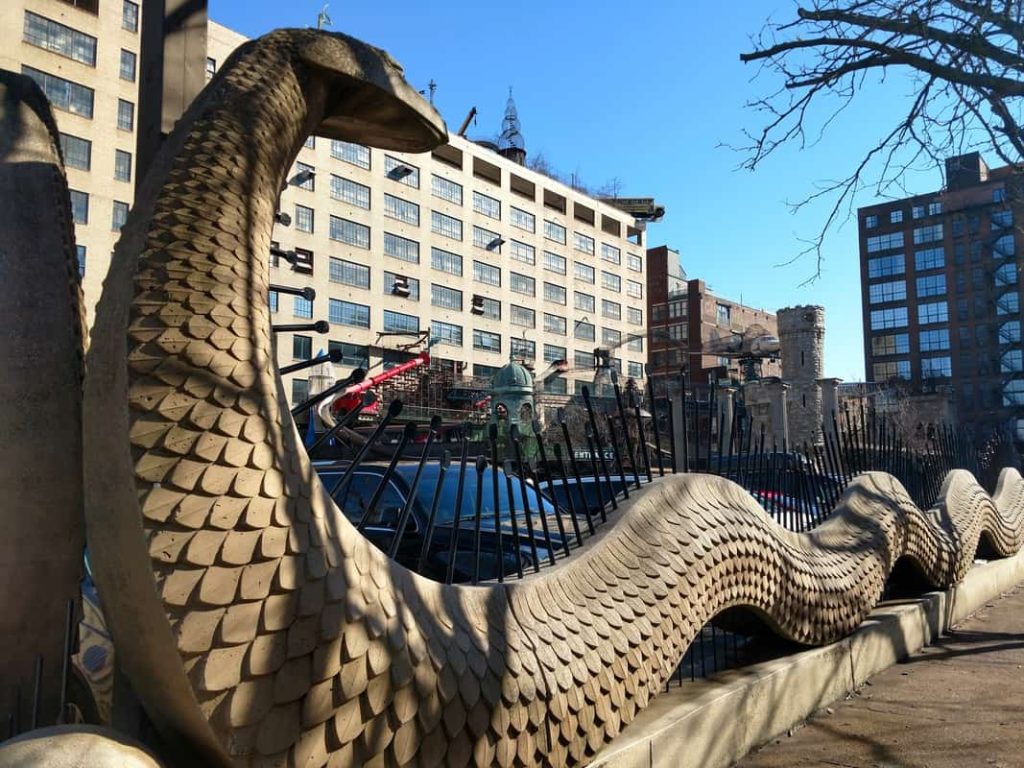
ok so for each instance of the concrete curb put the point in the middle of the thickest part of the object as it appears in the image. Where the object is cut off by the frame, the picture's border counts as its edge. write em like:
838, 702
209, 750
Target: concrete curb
714, 723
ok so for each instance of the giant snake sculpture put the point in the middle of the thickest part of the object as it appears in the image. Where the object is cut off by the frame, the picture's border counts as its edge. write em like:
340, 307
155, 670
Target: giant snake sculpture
257, 626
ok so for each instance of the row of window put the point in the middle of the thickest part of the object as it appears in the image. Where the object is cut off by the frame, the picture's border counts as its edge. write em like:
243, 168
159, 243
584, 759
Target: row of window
896, 290
934, 340
896, 215
896, 317
80, 210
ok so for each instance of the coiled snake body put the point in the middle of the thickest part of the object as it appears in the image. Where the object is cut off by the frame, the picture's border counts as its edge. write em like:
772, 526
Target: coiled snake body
258, 626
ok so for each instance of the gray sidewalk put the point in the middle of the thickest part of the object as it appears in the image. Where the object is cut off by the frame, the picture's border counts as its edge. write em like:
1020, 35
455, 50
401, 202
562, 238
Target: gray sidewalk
958, 703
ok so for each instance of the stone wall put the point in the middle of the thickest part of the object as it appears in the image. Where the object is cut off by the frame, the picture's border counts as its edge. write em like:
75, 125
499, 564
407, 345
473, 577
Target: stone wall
802, 343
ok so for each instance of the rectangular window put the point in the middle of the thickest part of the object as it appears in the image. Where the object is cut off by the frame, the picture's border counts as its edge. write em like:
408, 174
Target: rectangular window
447, 226
446, 189
584, 331
894, 317
885, 266
611, 254
491, 308
401, 248
125, 115
486, 273
127, 66
937, 312
917, 211
350, 192
1003, 247
583, 361
129, 16
635, 343
522, 316
554, 263
63, 94
273, 301
390, 279
583, 301
120, 216
635, 370
521, 219
303, 218
446, 261
300, 391
554, 232
634, 316
611, 282
879, 293
934, 341
610, 336
446, 333
403, 210
723, 314
934, 209
488, 206
929, 258
486, 239
302, 347
583, 243
348, 313
611, 309
1008, 303
523, 348
486, 341
77, 152
353, 154
634, 289
896, 217
885, 242
80, 253
1001, 219
555, 293
891, 370
304, 177
302, 307
583, 272
522, 284
555, 324
553, 353
634, 263
936, 367
929, 234
401, 171
1006, 274
484, 371
349, 273
444, 297
892, 344
54, 36
522, 252
122, 165
350, 232
870, 222
79, 206
352, 355
400, 322
211, 67
931, 285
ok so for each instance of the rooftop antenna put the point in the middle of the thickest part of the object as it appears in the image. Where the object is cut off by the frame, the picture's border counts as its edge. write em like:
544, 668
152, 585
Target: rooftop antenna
432, 87
322, 19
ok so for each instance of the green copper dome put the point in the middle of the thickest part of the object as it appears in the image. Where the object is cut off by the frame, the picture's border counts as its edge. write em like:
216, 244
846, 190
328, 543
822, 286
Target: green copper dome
512, 378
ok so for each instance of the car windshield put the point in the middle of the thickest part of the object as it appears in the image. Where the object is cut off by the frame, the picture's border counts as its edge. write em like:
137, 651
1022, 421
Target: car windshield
446, 504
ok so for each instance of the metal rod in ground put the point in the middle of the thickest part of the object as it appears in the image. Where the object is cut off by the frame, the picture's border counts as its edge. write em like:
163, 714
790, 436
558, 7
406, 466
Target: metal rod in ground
356, 377
407, 434
403, 517
645, 449
576, 476
618, 455
597, 475
453, 542
517, 451
394, 408
538, 433
342, 423
684, 415
443, 465
531, 539
478, 514
672, 445
654, 426
571, 502
65, 667
496, 498
625, 426
37, 693
597, 436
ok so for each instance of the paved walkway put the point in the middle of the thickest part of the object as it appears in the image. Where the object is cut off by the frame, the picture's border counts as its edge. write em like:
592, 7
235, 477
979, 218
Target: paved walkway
957, 704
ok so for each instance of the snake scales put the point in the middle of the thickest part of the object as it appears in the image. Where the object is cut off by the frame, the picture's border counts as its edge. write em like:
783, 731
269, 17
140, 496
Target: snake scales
258, 627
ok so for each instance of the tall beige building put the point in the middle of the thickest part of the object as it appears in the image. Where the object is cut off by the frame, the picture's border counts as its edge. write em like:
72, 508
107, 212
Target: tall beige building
85, 55
463, 244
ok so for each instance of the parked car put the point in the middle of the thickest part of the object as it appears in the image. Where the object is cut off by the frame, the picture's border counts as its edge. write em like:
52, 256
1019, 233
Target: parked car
585, 494
498, 527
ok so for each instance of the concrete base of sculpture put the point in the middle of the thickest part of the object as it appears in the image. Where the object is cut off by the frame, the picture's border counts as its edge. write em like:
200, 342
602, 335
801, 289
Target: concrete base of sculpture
75, 746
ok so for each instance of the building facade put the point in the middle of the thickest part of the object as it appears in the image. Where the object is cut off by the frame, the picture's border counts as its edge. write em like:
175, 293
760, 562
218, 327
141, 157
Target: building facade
85, 56
940, 293
689, 323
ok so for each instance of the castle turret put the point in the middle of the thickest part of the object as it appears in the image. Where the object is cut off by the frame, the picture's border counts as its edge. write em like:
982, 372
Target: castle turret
802, 349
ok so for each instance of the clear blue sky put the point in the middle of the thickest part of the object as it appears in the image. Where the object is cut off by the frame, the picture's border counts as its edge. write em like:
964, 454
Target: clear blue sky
646, 93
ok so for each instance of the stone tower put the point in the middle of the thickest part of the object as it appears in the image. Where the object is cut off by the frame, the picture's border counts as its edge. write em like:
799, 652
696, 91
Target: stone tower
802, 349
